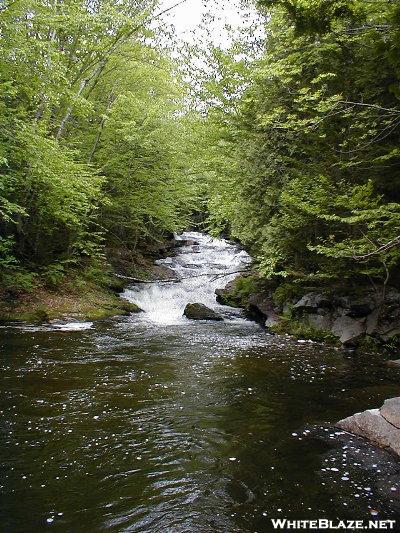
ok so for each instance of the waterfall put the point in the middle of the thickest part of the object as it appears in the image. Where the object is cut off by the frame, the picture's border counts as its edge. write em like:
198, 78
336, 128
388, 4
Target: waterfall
201, 268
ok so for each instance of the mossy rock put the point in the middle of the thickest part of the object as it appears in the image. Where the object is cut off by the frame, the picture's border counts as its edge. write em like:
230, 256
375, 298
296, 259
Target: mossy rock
302, 330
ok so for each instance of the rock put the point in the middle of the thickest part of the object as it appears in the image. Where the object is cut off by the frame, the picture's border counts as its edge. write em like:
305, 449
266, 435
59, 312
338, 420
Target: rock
372, 425
161, 272
130, 307
198, 311
392, 296
261, 304
390, 325
357, 307
349, 330
312, 301
323, 322
261, 308
161, 249
390, 411
186, 242
393, 362
372, 322
227, 296
272, 321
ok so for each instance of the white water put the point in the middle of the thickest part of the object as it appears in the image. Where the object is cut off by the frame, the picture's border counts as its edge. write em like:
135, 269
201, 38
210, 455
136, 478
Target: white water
202, 268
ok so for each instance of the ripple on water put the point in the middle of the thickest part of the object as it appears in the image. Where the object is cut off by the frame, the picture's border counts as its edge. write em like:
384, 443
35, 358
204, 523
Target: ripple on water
134, 425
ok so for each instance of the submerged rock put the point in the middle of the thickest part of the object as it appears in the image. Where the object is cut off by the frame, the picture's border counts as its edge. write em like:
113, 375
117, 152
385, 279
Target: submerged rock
379, 426
197, 311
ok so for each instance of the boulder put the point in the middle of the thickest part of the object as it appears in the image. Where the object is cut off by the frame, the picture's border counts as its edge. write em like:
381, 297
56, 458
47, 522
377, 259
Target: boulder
272, 320
390, 325
261, 303
261, 308
318, 321
372, 322
357, 306
392, 296
349, 330
226, 296
390, 411
379, 426
311, 301
197, 311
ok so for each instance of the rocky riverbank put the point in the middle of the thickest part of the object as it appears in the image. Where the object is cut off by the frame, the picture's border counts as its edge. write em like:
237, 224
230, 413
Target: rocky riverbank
380, 426
349, 318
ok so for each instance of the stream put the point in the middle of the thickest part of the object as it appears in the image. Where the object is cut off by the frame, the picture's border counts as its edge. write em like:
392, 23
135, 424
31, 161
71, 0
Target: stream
155, 423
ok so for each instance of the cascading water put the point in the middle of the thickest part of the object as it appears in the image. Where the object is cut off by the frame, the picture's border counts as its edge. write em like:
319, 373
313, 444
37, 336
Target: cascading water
200, 269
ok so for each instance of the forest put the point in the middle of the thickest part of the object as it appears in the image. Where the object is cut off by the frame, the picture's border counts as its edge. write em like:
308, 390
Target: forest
111, 141
199, 265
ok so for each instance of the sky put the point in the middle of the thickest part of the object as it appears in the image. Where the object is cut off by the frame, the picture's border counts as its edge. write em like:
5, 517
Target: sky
187, 18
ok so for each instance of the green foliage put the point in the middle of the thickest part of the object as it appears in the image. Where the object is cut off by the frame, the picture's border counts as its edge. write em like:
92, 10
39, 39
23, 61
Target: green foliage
311, 177
92, 121
286, 292
242, 289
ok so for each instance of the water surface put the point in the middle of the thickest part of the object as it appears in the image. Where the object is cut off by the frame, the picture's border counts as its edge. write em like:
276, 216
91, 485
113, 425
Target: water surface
156, 423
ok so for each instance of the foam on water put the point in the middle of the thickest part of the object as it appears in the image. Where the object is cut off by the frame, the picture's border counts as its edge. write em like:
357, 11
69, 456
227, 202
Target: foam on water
201, 268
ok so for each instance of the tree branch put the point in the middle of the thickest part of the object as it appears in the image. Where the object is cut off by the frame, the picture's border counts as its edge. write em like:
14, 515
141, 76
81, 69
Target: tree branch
384, 248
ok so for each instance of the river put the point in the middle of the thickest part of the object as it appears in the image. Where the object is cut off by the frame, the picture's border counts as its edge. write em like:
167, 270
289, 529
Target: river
155, 423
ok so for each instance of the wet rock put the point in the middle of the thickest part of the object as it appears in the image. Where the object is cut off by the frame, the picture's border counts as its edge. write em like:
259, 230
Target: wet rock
130, 307
186, 242
349, 330
374, 425
162, 272
197, 311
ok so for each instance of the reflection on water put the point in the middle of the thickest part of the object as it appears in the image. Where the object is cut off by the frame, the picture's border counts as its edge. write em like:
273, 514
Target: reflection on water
133, 425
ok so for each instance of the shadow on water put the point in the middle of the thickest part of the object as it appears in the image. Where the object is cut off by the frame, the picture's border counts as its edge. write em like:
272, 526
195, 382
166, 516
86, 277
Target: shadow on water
139, 425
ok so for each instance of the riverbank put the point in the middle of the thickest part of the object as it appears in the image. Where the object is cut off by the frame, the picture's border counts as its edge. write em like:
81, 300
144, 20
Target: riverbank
349, 316
91, 293
88, 302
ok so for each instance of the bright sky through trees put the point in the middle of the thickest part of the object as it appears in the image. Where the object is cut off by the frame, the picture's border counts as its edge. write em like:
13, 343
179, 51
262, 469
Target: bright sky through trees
188, 16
